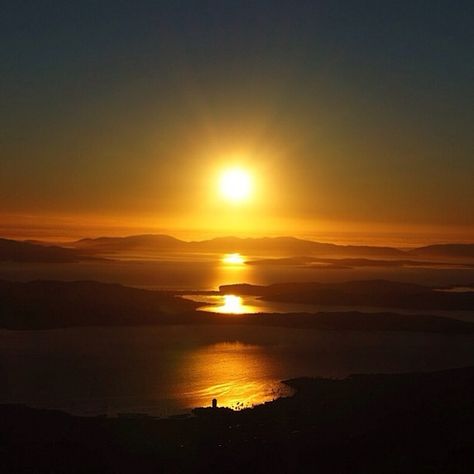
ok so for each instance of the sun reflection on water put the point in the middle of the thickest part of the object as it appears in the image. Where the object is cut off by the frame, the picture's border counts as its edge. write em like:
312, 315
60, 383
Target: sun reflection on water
224, 304
232, 305
233, 259
234, 373
230, 268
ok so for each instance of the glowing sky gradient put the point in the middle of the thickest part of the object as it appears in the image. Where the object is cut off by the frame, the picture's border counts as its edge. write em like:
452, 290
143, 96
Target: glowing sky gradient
354, 117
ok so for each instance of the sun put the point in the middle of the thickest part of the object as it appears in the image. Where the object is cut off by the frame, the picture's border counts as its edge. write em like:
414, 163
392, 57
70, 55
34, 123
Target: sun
235, 185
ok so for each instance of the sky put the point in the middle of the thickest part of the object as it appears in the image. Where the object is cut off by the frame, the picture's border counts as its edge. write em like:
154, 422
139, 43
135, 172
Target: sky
354, 119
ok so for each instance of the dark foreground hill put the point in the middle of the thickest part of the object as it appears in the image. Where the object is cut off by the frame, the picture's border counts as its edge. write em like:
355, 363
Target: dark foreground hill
53, 304
410, 423
60, 304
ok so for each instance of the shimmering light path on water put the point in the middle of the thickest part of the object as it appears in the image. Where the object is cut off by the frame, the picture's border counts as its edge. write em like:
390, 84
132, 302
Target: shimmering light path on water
166, 370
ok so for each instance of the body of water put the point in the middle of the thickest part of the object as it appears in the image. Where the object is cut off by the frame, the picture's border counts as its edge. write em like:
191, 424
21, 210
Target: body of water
233, 304
210, 274
168, 370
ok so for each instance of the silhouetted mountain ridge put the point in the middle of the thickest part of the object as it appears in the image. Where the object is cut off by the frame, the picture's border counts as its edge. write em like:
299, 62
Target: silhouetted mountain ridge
291, 246
159, 244
17, 251
255, 246
148, 241
441, 250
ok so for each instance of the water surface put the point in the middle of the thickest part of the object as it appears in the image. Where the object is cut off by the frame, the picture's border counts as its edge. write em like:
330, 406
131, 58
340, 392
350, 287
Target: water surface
233, 304
167, 370
209, 274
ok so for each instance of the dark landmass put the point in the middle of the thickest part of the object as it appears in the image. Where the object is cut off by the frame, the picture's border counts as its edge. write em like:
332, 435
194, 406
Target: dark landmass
452, 250
15, 251
416, 423
133, 242
56, 304
375, 293
330, 263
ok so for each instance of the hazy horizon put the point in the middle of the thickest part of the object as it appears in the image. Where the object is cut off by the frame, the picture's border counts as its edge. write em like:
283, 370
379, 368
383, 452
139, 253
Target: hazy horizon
384, 237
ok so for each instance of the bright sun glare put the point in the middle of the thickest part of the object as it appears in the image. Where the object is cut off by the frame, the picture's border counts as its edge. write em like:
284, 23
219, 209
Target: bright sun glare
233, 259
232, 305
235, 185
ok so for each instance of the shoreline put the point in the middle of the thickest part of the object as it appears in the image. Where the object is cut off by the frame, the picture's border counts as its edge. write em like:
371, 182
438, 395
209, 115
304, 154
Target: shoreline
364, 423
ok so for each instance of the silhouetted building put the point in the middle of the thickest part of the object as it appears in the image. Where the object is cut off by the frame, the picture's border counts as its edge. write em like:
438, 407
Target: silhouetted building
214, 403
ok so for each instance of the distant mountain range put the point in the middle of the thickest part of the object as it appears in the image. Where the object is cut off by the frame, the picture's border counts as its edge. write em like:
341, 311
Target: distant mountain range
451, 250
268, 245
248, 246
17, 251
156, 245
